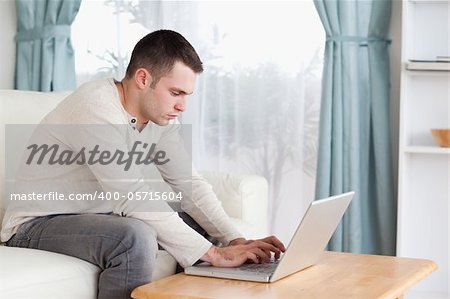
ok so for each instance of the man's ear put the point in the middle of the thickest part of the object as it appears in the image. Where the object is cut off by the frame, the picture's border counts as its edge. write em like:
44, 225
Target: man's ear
143, 78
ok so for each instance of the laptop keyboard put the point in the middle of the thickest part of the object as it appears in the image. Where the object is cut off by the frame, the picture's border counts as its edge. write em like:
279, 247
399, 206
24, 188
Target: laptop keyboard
260, 268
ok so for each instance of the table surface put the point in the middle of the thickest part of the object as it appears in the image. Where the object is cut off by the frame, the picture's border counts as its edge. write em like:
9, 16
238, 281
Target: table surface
336, 275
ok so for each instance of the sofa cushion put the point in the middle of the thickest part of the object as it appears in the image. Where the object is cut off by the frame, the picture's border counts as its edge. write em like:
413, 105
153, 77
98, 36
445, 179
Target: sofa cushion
50, 275
165, 265
45, 275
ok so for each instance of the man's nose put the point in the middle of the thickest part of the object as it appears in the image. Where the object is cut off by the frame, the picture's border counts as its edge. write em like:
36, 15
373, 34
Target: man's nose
181, 104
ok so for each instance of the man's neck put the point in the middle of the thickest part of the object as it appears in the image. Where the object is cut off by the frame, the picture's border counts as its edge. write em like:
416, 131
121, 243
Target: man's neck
129, 102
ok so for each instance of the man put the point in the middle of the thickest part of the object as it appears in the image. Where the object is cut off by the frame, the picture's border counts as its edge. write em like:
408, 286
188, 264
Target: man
118, 237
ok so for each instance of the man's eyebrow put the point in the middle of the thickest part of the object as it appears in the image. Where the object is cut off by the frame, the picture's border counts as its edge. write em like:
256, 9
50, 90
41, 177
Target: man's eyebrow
181, 91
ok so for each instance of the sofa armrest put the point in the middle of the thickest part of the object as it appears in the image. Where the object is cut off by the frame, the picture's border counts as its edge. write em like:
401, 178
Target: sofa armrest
245, 199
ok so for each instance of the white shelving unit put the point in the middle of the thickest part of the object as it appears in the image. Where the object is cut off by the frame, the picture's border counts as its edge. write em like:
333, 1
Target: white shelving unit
424, 168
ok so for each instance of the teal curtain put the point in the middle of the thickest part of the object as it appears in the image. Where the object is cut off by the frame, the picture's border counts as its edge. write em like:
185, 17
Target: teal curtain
354, 138
44, 56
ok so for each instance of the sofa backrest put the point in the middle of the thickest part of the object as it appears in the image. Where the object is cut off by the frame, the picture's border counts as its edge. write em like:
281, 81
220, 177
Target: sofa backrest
22, 107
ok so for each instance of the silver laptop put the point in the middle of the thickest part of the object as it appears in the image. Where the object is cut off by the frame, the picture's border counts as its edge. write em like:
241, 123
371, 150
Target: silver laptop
304, 250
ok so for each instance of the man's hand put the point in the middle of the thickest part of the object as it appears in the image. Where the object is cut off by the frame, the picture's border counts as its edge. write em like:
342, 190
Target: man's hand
270, 240
241, 250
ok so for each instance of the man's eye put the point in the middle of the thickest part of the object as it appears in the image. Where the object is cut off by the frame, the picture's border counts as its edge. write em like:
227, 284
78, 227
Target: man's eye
175, 93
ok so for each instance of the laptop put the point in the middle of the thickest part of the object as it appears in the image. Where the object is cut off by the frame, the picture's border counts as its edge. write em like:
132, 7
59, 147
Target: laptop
304, 250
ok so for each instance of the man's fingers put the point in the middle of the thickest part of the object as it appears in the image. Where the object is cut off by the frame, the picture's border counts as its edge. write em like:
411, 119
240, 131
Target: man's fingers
274, 241
277, 255
252, 256
234, 256
258, 254
262, 256
268, 255
265, 246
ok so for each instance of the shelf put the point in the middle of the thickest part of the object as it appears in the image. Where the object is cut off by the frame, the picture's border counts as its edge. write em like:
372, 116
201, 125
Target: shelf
427, 150
428, 66
429, 73
424, 167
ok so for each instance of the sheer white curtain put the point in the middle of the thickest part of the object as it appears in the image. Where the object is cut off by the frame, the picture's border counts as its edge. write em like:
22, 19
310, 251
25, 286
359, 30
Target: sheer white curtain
256, 106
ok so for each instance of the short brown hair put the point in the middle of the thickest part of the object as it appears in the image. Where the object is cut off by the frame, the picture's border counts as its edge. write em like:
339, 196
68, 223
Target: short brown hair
158, 51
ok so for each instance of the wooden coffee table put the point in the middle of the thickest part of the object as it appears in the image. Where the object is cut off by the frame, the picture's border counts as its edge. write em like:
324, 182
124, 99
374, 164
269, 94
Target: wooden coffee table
337, 275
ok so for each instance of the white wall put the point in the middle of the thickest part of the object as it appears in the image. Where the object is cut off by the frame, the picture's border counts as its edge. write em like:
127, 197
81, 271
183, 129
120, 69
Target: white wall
8, 27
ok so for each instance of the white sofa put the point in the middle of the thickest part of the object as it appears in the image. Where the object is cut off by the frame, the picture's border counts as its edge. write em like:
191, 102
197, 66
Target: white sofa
30, 273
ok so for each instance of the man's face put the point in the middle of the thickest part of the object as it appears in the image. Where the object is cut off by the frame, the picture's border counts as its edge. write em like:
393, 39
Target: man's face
168, 98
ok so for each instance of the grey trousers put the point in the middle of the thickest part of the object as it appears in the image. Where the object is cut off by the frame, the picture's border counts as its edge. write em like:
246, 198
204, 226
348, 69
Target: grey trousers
123, 248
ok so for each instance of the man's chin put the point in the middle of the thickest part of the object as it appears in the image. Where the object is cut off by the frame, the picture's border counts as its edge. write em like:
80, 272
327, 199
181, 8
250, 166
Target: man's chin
163, 122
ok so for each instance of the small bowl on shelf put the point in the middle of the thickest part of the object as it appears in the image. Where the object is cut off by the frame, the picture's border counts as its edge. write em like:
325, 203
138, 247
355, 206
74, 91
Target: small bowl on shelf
442, 136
